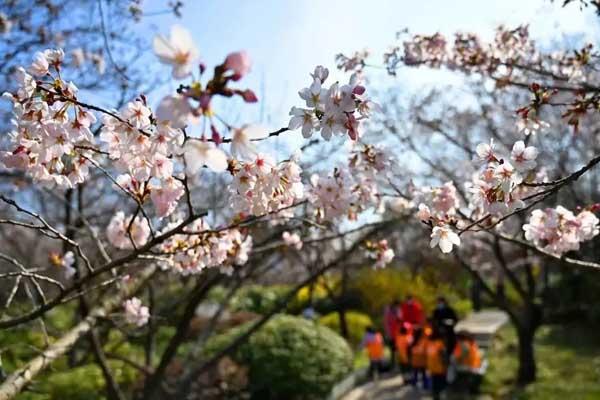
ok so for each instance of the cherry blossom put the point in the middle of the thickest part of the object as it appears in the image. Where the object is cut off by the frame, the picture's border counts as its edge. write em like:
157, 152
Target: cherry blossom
174, 109
136, 313
241, 142
166, 196
239, 63
292, 240
445, 238
381, 252
558, 230
123, 233
531, 125
200, 153
64, 263
262, 186
523, 157
336, 110
51, 135
178, 50
198, 247
439, 203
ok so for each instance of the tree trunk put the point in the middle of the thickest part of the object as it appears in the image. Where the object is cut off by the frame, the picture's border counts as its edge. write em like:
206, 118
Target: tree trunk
342, 303
476, 295
527, 366
343, 322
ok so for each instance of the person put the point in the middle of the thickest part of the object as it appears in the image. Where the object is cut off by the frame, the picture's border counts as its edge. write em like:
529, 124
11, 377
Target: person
437, 363
444, 318
403, 342
418, 358
469, 364
391, 326
412, 311
373, 343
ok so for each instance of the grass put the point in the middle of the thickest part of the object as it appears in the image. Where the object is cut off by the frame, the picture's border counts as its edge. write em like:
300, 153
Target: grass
568, 362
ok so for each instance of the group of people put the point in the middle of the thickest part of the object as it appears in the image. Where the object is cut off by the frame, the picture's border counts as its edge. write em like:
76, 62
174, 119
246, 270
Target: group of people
428, 351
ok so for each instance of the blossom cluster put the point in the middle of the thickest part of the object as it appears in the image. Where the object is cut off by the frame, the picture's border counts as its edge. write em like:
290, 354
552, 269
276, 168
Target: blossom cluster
334, 110
126, 232
350, 189
437, 206
558, 230
380, 252
136, 313
468, 51
144, 151
262, 186
51, 132
493, 189
292, 240
199, 247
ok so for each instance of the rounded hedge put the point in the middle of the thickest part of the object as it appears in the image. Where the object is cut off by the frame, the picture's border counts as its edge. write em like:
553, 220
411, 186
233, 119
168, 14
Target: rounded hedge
289, 358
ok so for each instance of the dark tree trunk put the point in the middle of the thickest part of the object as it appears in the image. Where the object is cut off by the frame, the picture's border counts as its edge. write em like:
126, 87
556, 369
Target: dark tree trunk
343, 302
343, 322
476, 295
527, 366
526, 329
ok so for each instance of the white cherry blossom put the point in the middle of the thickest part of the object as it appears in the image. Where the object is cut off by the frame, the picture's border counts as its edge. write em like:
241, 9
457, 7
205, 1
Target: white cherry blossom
445, 238
178, 50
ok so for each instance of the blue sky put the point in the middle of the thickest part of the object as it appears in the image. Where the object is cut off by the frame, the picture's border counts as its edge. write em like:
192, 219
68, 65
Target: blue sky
286, 39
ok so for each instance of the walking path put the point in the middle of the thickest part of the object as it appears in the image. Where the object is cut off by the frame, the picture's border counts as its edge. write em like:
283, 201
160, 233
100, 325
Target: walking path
483, 325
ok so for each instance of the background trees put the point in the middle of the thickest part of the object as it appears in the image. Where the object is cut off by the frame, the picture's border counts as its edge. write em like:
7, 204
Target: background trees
140, 204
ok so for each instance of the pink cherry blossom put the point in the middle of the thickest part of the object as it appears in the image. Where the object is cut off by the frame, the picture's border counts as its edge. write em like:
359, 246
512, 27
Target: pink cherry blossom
166, 196
238, 62
292, 240
136, 313
123, 236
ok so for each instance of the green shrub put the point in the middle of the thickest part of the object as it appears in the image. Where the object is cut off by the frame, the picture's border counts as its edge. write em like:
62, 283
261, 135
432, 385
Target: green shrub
357, 323
253, 298
289, 358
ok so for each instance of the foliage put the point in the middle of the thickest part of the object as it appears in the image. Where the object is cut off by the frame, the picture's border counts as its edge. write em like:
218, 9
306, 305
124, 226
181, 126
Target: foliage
259, 299
289, 358
562, 351
357, 323
379, 288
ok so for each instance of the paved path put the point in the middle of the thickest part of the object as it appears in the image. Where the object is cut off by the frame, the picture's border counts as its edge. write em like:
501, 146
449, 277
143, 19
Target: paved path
483, 325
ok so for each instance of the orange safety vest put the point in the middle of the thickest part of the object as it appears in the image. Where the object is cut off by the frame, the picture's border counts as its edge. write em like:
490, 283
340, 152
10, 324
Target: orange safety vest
435, 357
375, 347
418, 355
402, 343
467, 354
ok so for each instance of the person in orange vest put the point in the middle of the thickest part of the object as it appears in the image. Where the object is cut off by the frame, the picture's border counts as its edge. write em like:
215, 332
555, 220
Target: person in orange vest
373, 344
437, 363
418, 358
469, 362
403, 342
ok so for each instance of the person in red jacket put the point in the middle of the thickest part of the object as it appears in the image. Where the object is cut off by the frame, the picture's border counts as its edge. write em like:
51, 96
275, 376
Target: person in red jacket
412, 311
392, 320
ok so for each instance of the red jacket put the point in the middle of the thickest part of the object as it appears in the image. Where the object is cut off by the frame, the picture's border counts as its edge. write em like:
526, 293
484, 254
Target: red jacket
412, 312
391, 322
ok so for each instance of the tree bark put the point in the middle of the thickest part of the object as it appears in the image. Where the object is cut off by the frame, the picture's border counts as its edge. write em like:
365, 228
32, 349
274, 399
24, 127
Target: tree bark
527, 366
343, 322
